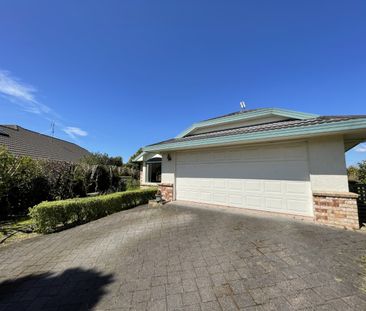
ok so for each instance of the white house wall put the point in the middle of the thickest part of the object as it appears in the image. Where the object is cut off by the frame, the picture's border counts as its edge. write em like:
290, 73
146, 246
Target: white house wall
168, 168
328, 170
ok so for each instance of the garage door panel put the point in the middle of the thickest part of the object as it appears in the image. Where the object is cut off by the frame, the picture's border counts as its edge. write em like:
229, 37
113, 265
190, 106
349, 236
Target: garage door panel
272, 203
220, 198
236, 199
273, 187
235, 185
219, 184
255, 202
201, 183
253, 186
265, 178
206, 196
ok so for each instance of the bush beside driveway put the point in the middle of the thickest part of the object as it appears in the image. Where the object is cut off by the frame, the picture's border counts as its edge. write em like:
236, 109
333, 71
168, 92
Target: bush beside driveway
183, 257
48, 216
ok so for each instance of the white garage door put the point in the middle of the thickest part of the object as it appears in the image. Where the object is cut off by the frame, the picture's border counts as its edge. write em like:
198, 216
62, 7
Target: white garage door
270, 178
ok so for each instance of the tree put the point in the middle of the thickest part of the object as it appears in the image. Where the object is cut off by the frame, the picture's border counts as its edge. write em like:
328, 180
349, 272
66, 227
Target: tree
352, 172
357, 172
97, 158
362, 171
134, 155
116, 161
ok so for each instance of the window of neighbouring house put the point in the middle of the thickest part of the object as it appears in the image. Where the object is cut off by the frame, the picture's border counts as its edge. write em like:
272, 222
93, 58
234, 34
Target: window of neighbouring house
153, 170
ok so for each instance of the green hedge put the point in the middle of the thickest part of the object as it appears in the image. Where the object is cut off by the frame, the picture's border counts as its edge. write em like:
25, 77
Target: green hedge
48, 216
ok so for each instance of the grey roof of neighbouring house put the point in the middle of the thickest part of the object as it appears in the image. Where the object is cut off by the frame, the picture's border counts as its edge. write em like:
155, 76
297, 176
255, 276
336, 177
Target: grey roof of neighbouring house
263, 127
22, 142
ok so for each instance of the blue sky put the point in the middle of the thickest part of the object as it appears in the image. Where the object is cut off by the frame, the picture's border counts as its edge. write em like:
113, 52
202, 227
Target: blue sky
117, 75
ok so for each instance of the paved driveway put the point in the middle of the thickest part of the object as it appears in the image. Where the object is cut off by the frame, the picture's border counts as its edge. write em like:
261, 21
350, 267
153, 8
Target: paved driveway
187, 257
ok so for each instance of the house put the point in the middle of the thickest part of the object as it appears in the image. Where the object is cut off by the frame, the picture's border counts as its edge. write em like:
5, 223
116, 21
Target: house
22, 142
268, 159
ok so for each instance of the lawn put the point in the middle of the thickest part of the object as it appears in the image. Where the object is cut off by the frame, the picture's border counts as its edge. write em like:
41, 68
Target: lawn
15, 230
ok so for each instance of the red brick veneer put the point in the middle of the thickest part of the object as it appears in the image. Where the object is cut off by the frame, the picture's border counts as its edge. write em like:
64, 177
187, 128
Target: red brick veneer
166, 190
336, 209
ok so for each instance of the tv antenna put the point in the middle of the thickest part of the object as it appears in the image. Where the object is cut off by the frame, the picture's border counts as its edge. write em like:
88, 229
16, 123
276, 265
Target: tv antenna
242, 105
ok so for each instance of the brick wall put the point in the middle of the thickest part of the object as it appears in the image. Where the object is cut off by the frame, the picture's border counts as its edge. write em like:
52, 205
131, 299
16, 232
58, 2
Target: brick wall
336, 209
166, 190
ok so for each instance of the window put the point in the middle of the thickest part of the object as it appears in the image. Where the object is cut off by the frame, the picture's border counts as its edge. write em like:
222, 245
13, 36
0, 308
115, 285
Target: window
153, 170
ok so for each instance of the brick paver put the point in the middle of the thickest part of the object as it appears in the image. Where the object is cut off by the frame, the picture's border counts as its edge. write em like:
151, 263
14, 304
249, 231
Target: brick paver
187, 257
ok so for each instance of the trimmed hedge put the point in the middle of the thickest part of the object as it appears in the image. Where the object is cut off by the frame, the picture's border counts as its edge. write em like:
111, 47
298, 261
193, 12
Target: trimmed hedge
48, 216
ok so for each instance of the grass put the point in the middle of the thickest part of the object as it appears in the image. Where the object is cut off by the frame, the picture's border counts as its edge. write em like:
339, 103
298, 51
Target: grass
16, 229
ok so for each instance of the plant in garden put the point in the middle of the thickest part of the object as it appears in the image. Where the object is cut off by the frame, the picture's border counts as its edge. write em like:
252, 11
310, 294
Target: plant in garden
18, 178
102, 179
48, 216
25, 182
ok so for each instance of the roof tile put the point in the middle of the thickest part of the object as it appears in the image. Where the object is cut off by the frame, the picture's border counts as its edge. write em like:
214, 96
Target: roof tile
263, 127
23, 142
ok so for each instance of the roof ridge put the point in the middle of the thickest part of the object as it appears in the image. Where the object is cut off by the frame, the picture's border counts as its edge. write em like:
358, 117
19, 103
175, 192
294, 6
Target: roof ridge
10, 126
235, 113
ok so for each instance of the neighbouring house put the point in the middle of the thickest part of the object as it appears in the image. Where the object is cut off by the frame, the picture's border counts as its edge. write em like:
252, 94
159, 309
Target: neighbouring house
269, 159
22, 142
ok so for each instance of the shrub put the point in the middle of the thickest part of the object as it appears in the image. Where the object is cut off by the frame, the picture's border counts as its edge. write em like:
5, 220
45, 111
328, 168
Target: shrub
16, 182
40, 190
133, 184
25, 182
48, 216
60, 176
102, 179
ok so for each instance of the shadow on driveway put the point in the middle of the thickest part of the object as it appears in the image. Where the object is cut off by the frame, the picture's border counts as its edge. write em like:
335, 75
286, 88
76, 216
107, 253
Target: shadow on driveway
72, 289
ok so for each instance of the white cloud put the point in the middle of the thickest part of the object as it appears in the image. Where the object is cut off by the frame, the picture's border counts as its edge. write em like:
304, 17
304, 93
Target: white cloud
361, 148
21, 94
24, 96
75, 132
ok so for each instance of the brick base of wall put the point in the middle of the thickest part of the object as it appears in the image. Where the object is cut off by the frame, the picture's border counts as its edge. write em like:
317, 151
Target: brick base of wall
337, 209
166, 191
